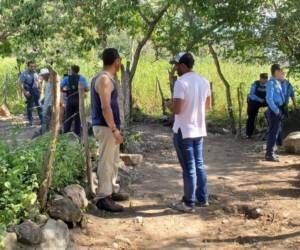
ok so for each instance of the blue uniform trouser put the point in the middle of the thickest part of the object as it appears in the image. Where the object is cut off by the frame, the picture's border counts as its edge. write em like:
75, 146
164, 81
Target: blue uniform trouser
33, 101
274, 121
189, 152
279, 140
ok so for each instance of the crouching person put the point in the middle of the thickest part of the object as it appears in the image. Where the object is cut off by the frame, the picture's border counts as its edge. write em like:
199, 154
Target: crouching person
106, 127
190, 100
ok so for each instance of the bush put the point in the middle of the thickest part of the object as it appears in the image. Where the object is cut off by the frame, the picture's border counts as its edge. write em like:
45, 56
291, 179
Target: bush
21, 174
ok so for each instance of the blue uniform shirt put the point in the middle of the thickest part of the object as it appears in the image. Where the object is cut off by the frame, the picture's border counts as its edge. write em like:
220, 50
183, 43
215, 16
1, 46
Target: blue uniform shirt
253, 95
82, 80
288, 90
275, 96
30, 80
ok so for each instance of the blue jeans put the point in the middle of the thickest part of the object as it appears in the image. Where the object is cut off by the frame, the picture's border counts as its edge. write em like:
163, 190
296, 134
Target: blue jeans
33, 101
189, 152
274, 131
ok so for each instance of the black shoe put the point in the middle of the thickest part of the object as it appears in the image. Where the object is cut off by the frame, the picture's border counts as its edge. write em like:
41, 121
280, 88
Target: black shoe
120, 197
109, 205
272, 158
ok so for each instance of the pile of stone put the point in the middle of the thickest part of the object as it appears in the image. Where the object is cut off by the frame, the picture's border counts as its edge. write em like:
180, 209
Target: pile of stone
53, 233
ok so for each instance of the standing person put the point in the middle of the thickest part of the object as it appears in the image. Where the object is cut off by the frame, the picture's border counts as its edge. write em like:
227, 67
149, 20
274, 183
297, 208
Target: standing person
256, 100
106, 127
276, 101
69, 86
191, 99
288, 93
45, 75
29, 81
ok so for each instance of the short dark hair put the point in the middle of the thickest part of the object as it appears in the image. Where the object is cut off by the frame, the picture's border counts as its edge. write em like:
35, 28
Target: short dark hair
188, 60
75, 68
263, 76
275, 67
109, 56
30, 62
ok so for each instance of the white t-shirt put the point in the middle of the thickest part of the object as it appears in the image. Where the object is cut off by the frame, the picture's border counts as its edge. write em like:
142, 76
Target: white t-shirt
194, 90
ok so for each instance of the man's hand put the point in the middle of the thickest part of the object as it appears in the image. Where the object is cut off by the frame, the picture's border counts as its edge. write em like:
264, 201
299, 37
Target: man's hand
27, 93
118, 136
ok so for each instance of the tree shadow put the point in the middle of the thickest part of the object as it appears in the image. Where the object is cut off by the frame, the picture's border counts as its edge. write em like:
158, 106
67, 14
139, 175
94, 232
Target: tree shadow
254, 239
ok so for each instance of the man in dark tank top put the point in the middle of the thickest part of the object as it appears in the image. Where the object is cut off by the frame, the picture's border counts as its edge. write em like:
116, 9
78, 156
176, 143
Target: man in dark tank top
106, 127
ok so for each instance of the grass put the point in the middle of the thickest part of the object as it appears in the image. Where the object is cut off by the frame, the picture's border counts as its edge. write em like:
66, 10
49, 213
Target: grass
145, 93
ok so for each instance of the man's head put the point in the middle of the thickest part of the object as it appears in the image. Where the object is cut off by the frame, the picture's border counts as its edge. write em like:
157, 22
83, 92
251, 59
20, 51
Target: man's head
31, 66
74, 70
263, 78
45, 74
276, 71
111, 59
183, 62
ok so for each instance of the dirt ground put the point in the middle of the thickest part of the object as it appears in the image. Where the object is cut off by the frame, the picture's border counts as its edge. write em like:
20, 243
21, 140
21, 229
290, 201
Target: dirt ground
238, 177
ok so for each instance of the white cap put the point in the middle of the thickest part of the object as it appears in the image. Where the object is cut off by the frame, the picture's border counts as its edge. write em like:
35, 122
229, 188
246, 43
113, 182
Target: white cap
44, 71
177, 58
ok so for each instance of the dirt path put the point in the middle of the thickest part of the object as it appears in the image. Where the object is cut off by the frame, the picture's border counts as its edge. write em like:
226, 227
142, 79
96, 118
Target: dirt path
237, 177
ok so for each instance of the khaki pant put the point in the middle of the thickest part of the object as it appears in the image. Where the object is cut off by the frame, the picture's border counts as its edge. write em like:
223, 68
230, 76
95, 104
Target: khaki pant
109, 162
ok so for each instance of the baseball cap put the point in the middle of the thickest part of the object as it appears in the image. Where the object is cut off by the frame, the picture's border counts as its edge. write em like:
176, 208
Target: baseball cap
185, 58
44, 71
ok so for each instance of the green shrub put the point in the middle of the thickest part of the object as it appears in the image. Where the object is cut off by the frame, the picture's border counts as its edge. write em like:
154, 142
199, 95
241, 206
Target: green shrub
21, 174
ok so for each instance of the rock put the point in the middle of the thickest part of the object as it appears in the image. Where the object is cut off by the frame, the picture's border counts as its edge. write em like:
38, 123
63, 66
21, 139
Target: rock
132, 159
138, 220
56, 235
73, 137
77, 194
122, 242
28, 233
64, 209
41, 219
251, 212
10, 241
292, 143
4, 112
115, 245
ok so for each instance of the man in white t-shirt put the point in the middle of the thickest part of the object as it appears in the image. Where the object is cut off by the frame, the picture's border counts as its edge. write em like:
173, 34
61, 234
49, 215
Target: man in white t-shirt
191, 99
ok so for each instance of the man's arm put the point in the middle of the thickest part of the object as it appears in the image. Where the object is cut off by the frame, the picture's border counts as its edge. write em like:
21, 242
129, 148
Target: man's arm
83, 81
176, 104
104, 88
21, 83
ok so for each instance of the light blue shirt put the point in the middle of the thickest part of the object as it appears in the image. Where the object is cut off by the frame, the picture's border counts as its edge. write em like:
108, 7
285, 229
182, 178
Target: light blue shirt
275, 96
82, 80
252, 94
29, 79
288, 90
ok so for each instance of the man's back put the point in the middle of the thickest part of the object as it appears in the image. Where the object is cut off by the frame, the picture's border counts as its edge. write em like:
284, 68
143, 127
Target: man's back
194, 90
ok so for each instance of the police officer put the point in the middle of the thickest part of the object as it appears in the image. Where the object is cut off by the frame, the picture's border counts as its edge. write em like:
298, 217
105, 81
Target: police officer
276, 101
29, 81
256, 100
69, 85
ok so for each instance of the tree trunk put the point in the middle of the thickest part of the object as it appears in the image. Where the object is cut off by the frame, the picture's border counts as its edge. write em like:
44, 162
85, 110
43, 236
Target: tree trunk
227, 87
172, 80
151, 26
121, 99
48, 164
85, 139
164, 110
125, 75
212, 95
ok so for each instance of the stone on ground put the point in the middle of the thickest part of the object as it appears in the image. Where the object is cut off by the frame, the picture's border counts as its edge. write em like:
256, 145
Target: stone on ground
292, 143
4, 112
64, 209
77, 194
55, 236
28, 233
132, 159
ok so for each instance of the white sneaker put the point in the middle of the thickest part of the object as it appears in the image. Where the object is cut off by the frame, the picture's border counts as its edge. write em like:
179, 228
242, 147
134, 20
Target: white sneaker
181, 207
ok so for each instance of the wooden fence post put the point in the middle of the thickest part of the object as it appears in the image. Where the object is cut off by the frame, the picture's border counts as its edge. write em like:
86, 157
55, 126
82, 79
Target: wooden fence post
85, 139
48, 164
